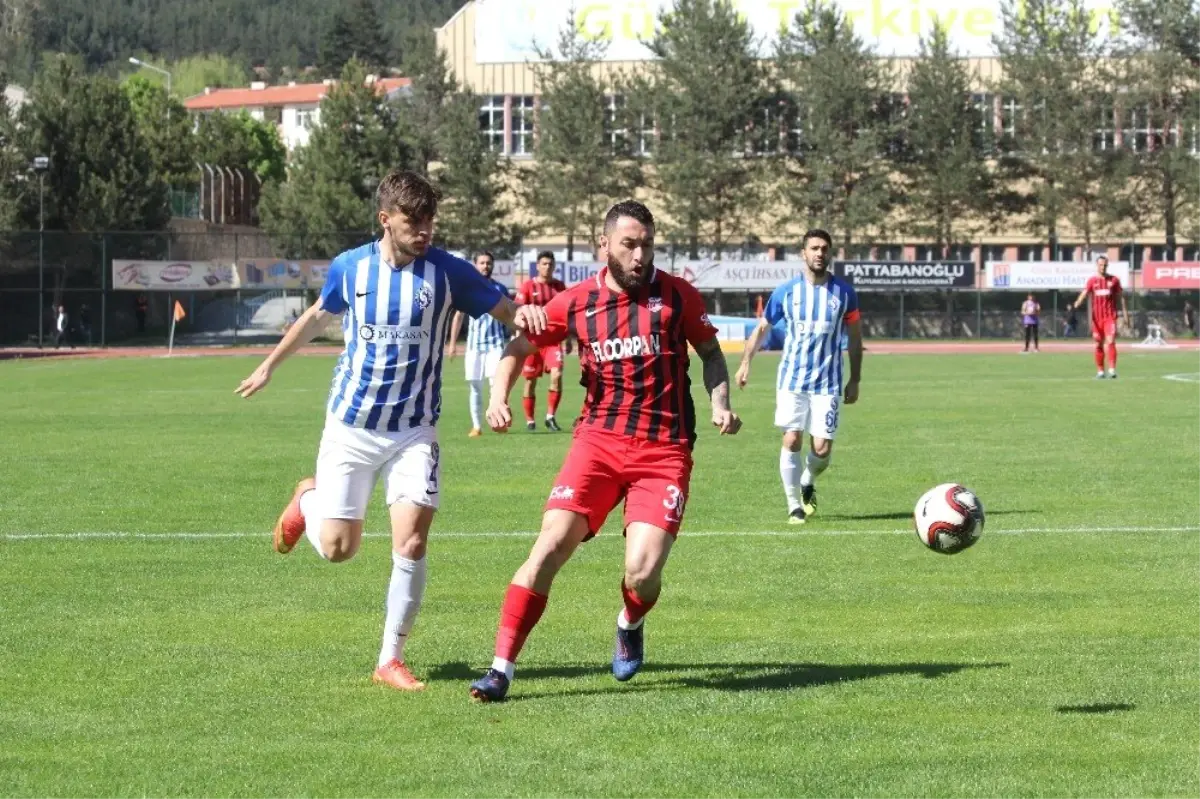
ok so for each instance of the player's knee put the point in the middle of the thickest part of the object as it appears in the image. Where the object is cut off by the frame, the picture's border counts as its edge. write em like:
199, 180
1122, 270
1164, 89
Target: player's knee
338, 546
792, 440
822, 447
643, 577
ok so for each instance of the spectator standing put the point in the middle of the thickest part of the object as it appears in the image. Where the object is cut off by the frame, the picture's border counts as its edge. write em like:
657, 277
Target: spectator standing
1072, 321
143, 305
1189, 318
1030, 313
62, 328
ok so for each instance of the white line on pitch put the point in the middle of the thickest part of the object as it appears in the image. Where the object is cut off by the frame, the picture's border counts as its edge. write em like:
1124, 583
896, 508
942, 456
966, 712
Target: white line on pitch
686, 534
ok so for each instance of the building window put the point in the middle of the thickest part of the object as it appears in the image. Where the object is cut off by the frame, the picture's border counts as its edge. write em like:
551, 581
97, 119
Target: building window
645, 135
1138, 131
1190, 253
795, 127
304, 118
985, 119
764, 131
1010, 110
1104, 137
491, 123
889, 252
522, 126
960, 252
993, 252
1029, 252
614, 123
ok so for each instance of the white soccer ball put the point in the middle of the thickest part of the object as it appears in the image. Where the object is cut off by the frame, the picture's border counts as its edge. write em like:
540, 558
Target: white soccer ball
948, 518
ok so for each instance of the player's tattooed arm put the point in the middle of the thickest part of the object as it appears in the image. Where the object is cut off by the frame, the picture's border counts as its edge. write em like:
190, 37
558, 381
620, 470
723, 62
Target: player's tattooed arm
716, 383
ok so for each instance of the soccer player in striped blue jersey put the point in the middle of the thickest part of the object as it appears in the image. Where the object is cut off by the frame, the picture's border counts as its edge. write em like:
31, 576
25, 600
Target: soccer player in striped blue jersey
486, 339
817, 309
396, 296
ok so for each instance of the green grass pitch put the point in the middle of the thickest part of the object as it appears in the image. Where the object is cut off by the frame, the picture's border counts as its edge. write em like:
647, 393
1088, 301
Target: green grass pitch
179, 656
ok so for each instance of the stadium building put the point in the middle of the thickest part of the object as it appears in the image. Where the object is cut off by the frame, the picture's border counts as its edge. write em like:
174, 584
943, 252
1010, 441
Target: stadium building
489, 45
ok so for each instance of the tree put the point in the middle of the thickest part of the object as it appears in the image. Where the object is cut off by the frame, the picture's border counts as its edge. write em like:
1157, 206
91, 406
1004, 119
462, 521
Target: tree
240, 141
1158, 64
1052, 69
948, 186
13, 167
164, 124
838, 171
353, 31
16, 29
193, 74
432, 85
331, 183
583, 154
703, 91
101, 174
472, 178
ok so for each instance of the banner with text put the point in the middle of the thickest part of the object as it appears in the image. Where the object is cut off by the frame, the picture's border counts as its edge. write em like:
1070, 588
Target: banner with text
1046, 275
1171, 275
569, 272
514, 31
172, 276
273, 273
907, 274
738, 275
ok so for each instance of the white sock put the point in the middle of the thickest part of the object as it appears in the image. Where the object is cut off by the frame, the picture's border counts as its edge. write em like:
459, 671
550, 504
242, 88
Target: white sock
813, 466
312, 520
506, 666
787, 472
626, 624
405, 591
476, 401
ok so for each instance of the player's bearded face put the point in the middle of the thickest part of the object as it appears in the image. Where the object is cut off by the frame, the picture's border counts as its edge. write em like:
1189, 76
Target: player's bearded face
816, 255
630, 256
409, 237
485, 266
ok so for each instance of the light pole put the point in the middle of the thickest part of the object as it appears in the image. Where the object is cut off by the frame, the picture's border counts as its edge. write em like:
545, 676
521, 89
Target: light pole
140, 63
40, 164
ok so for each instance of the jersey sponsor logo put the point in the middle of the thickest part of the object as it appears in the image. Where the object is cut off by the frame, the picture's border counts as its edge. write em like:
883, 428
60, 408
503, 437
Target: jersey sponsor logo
562, 493
807, 328
1102, 292
614, 349
392, 334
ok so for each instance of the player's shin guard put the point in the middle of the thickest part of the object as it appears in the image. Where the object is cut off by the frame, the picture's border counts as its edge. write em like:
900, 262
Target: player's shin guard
1099, 357
636, 608
476, 403
1112, 355
519, 614
312, 521
813, 466
530, 405
789, 473
552, 401
405, 592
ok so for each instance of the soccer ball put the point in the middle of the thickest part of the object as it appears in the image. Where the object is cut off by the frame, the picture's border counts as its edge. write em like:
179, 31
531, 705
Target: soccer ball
948, 518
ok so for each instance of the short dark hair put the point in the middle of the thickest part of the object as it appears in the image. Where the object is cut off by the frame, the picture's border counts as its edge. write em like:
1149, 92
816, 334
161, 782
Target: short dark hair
1100, 257
409, 193
545, 254
816, 233
630, 208
488, 253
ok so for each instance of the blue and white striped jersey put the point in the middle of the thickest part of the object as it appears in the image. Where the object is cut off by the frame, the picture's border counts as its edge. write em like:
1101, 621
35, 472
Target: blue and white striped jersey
486, 333
814, 319
390, 374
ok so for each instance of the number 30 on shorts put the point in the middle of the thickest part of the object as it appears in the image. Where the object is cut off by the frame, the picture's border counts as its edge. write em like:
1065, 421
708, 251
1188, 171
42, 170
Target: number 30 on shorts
674, 503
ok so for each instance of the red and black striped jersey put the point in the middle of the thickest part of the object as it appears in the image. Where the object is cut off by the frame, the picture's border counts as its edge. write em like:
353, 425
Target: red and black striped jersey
534, 292
633, 347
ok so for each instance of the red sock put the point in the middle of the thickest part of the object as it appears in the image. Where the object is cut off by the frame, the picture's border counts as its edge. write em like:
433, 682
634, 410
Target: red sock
1112, 356
529, 403
552, 402
635, 607
1100, 357
520, 612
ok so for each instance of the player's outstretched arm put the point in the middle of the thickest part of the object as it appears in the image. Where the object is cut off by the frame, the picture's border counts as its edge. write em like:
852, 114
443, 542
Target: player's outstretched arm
306, 328
752, 346
855, 351
529, 319
1079, 300
455, 327
716, 383
499, 414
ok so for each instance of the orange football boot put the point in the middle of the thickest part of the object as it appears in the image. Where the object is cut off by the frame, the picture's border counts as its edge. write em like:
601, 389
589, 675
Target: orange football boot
396, 675
290, 526
475, 433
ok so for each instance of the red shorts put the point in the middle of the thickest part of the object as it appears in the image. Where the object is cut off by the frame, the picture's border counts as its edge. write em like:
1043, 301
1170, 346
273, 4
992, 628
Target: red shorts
1104, 328
602, 468
542, 361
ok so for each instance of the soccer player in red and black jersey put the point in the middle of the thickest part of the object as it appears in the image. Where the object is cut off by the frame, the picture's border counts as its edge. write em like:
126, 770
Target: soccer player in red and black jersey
540, 291
1104, 289
633, 440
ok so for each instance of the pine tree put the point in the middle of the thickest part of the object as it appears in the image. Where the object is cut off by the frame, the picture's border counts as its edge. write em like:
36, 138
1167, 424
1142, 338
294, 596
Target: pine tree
13, 168
1052, 64
702, 91
331, 183
101, 174
354, 32
167, 129
471, 215
948, 186
432, 85
583, 152
839, 171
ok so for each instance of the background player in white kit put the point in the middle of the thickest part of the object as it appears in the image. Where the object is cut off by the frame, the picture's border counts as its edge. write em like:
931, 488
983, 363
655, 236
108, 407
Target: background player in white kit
397, 294
817, 309
486, 339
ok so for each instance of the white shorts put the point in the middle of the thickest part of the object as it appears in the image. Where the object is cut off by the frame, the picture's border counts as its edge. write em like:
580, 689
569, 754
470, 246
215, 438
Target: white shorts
482, 365
351, 459
815, 414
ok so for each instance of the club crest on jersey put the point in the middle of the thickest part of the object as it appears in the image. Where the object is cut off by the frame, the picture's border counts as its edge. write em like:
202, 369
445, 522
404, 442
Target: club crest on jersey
424, 297
615, 349
834, 303
655, 304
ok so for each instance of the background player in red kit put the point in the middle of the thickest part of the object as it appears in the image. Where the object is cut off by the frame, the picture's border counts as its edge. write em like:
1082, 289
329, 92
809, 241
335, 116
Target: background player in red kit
634, 437
1105, 289
539, 291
